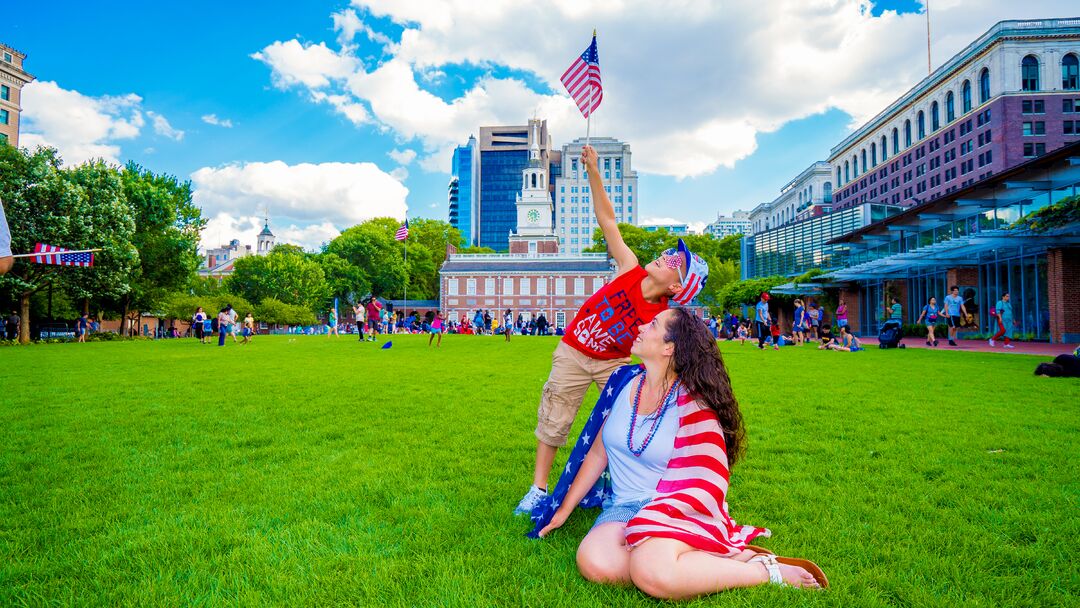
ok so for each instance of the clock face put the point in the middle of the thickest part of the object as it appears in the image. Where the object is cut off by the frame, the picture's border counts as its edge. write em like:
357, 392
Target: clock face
534, 216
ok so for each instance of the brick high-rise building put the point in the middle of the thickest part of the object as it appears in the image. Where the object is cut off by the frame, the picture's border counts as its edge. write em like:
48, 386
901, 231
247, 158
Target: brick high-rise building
12, 79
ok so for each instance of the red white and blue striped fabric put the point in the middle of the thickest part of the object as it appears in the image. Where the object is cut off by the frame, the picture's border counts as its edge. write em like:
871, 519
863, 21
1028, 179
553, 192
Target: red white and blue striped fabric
582, 80
691, 505
59, 256
403, 232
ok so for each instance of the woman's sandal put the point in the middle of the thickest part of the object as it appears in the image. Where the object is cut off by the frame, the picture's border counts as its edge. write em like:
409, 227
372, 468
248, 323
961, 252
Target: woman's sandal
772, 566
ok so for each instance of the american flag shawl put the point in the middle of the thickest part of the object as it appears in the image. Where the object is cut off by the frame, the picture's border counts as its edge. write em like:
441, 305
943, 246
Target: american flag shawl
403, 232
58, 256
690, 505
582, 80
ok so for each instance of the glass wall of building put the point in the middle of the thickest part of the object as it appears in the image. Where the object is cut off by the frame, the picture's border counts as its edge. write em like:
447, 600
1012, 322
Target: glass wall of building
500, 183
1023, 277
462, 193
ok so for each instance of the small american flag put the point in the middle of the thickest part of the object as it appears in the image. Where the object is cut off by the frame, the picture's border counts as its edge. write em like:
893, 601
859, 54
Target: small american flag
60, 256
403, 232
582, 80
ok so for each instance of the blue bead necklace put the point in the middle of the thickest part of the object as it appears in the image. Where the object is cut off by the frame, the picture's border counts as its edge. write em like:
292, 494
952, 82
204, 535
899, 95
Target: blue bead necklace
656, 422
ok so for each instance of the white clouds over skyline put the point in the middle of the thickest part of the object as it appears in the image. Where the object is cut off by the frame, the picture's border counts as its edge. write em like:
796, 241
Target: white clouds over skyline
689, 85
212, 119
318, 198
79, 126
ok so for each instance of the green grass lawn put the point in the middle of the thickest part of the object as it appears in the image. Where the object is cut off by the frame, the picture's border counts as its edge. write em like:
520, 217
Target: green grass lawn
308, 471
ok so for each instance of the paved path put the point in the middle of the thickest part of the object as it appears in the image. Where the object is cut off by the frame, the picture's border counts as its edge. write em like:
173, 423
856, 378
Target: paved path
981, 346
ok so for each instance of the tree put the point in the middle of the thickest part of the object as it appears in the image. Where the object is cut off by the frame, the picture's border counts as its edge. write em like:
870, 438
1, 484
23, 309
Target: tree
370, 246
427, 252
276, 312
342, 278
747, 291
167, 228
284, 274
47, 205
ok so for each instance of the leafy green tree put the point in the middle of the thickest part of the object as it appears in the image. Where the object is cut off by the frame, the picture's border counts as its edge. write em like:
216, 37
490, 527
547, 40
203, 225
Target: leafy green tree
47, 205
276, 312
370, 246
427, 251
344, 280
112, 229
475, 250
167, 228
285, 274
747, 291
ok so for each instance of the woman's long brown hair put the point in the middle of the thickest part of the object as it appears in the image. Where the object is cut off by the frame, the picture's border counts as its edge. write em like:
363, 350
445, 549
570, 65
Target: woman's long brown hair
700, 368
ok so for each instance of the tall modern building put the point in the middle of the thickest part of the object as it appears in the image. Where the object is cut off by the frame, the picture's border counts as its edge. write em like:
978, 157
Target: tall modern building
12, 80
1011, 95
808, 195
574, 218
737, 223
462, 191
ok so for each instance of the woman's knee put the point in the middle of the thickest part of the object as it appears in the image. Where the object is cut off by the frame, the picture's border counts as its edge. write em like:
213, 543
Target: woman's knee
602, 567
654, 573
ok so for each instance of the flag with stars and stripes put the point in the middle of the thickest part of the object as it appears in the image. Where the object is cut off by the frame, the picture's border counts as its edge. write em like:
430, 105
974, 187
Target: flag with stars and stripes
690, 503
582, 80
403, 232
51, 254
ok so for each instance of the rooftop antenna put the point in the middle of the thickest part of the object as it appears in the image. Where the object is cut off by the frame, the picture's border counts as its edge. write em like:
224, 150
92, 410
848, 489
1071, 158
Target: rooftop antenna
929, 68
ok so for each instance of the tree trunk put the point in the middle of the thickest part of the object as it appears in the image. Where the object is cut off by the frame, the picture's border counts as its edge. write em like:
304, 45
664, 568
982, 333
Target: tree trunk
24, 318
86, 306
124, 320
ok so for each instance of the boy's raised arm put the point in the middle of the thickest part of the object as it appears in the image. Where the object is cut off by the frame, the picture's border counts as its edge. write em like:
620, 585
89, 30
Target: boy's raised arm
605, 214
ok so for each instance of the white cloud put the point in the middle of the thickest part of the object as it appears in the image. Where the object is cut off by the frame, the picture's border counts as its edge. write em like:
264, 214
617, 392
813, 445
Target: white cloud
689, 85
79, 126
400, 173
341, 194
402, 157
356, 113
225, 227
163, 128
212, 119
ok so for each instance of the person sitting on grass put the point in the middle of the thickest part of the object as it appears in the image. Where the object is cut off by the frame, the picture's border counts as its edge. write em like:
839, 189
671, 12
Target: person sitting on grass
668, 432
826, 337
846, 341
1064, 366
774, 331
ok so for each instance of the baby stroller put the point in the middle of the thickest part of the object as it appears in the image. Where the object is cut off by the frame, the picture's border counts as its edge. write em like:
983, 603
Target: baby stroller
890, 334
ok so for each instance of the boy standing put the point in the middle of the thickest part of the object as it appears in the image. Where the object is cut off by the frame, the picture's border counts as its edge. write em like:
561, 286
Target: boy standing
954, 307
598, 340
763, 318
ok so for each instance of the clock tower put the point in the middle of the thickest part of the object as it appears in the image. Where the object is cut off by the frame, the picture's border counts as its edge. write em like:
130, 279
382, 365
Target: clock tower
535, 230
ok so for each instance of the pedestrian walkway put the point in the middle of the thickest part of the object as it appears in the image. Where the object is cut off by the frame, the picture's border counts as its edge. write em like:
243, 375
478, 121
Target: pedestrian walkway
1042, 349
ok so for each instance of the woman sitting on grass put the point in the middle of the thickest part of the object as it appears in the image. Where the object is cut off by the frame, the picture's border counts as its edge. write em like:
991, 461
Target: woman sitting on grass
846, 341
668, 432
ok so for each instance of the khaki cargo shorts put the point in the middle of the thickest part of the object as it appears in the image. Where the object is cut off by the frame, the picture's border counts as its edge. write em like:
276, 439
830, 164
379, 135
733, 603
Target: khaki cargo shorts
572, 373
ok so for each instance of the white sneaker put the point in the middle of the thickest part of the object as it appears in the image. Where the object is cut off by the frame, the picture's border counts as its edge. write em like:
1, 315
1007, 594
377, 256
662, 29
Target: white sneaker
530, 500
992, 342
1009, 346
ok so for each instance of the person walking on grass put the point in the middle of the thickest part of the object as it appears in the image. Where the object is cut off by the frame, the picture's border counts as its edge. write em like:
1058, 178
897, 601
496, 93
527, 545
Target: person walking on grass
436, 329
197, 324
331, 323
223, 325
374, 310
763, 319
668, 432
1003, 315
360, 314
599, 338
930, 314
798, 325
954, 308
508, 324
233, 327
478, 322
248, 329
82, 324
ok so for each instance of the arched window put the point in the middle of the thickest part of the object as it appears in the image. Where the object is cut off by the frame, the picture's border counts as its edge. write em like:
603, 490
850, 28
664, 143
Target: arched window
1070, 72
920, 121
533, 180
965, 97
895, 141
838, 176
907, 133
950, 108
1029, 73
855, 165
935, 119
865, 167
884, 150
873, 154
847, 173
810, 193
827, 190
984, 86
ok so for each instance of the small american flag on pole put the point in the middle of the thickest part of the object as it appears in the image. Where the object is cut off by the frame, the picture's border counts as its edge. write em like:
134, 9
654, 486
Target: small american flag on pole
60, 256
582, 80
403, 232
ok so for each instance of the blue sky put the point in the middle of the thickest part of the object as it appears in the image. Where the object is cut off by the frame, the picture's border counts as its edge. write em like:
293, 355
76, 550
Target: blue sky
306, 106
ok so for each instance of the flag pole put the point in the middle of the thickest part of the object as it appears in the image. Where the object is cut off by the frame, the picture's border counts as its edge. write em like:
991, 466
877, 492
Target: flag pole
54, 253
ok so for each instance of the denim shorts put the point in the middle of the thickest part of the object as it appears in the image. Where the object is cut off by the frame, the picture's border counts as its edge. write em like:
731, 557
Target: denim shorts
621, 512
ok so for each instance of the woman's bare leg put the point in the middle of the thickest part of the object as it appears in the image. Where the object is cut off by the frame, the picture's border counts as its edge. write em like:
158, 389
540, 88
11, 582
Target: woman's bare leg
670, 569
603, 557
